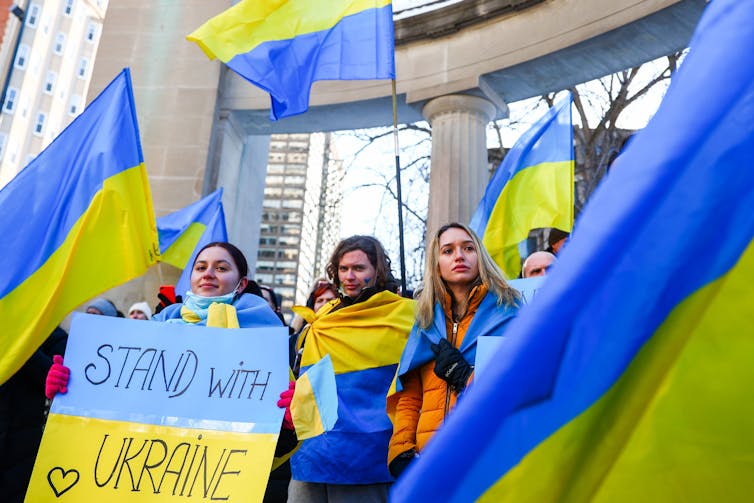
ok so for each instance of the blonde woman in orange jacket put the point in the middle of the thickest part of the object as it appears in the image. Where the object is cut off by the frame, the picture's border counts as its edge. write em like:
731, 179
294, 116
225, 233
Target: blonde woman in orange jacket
465, 296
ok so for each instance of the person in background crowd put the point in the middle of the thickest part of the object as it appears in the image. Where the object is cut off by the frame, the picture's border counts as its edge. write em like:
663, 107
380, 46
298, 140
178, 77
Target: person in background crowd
103, 307
140, 311
348, 463
324, 293
537, 264
22, 417
464, 297
275, 300
321, 293
556, 240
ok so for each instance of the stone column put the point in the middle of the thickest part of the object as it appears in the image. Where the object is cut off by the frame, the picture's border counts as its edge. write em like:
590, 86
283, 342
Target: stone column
459, 171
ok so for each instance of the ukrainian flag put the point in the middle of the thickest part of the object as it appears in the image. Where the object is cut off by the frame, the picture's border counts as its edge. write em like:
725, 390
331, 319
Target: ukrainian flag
364, 341
532, 188
630, 378
76, 221
283, 46
184, 232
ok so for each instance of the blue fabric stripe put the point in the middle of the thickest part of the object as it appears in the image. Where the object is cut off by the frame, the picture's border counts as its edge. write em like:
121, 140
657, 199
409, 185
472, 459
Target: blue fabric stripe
359, 47
171, 226
355, 451
489, 320
550, 139
215, 231
42, 203
674, 214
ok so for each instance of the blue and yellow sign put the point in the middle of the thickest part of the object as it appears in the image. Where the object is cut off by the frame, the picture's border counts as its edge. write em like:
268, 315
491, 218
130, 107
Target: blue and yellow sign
163, 412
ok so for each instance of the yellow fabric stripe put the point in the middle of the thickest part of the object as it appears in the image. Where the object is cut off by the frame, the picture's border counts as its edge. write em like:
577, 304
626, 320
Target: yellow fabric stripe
222, 316
249, 23
369, 334
179, 253
304, 410
537, 196
677, 426
192, 463
114, 241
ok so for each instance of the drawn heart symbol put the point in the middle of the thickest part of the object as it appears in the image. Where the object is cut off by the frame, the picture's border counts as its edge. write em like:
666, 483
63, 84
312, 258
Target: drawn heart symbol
63, 480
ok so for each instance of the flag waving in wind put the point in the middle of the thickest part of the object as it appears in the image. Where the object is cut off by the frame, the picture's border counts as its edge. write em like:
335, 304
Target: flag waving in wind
283, 46
630, 378
76, 221
532, 188
184, 232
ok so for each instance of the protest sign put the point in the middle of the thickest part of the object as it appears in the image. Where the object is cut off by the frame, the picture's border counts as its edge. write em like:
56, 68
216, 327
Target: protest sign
487, 346
163, 412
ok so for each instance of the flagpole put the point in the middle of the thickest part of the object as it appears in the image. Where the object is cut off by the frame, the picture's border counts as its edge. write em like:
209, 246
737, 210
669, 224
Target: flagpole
398, 190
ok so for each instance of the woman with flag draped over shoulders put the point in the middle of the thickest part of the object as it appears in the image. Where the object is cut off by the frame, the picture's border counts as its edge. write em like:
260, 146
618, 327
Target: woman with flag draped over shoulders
465, 297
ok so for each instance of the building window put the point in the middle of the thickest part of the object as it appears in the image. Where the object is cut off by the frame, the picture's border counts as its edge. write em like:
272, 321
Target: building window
68, 7
91, 32
73, 105
33, 16
22, 56
50, 82
3, 139
24, 105
10, 100
39, 125
82, 68
59, 43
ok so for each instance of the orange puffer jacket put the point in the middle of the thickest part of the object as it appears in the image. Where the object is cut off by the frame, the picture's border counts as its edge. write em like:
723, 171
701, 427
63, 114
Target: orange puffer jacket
425, 400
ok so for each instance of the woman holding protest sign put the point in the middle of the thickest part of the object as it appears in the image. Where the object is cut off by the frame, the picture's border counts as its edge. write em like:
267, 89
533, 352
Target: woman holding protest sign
216, 299
464, 297
218, 276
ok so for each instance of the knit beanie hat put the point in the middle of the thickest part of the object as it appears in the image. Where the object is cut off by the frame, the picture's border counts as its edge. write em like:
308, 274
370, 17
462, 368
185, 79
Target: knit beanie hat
104, 306
143, 307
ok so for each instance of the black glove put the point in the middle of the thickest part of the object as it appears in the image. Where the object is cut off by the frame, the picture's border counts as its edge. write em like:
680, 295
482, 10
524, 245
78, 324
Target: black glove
165, 301
400, 462
450, 365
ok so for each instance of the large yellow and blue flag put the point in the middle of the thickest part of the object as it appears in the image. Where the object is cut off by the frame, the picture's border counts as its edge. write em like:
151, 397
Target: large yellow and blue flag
630, 378
76, 221
532, 188
283, 46
364, 342
184, 232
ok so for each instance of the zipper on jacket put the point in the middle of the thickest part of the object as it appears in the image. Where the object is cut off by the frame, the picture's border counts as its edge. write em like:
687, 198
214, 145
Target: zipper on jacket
447, 385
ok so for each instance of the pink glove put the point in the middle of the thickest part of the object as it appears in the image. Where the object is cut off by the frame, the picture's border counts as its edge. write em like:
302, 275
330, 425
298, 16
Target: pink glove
285, 402
57, 378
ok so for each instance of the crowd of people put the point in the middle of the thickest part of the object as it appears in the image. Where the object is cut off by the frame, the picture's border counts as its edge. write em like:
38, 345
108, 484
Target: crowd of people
409, 360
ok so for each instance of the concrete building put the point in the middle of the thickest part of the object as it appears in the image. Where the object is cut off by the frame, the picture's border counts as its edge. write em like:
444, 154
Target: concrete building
300, 214
458, 66
48, 54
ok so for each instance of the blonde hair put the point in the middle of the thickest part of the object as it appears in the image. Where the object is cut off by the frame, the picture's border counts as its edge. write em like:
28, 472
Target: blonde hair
435, 287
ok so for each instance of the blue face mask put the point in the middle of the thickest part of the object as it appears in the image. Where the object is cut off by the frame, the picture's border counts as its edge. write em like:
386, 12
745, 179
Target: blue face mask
199, 303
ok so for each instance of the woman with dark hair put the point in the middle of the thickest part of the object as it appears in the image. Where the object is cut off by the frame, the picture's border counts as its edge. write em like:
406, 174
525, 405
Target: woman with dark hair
464, 297
218, 275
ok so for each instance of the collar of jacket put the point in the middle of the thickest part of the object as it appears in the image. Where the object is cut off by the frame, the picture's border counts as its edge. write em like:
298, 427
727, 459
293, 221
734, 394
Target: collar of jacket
477, 293
365, 294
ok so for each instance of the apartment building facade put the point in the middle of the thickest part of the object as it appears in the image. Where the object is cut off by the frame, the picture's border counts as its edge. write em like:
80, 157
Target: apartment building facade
47, 52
